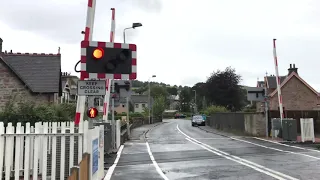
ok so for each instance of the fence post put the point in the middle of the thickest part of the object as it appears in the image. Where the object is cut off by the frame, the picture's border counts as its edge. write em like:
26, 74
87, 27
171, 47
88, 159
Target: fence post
27, 153
101, 151
85, 167
1, 145
71, 153
45, 150
9, 150
17, 153
63, 149
36, 151
54, 151
118, 134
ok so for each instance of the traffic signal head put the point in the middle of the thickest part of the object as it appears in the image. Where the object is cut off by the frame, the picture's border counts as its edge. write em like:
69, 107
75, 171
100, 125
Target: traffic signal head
98, 53
92, 112
108, 60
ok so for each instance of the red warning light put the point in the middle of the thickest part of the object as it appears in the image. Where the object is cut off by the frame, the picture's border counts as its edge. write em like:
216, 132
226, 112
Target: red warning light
98, 53
92, 112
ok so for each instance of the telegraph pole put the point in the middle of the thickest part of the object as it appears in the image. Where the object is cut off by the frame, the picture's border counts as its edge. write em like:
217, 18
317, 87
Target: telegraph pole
266, 107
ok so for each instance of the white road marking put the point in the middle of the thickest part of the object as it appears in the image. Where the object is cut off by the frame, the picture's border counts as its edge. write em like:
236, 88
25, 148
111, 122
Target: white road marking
155, 163
211, 138
280, 150
287, 145
257, 167
111, 169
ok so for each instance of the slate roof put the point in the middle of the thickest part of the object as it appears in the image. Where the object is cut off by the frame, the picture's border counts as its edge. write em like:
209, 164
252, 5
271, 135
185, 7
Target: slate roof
40, 72
272, 81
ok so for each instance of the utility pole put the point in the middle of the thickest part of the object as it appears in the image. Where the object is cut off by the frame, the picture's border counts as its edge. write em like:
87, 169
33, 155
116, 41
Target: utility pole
266, 107
113, 123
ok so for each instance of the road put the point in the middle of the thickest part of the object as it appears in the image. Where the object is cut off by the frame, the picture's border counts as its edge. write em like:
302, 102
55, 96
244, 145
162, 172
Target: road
176, 150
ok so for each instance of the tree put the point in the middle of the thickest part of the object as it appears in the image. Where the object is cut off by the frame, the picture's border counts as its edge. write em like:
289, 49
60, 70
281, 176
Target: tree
223, 89
172, 90
157, 91
201, 92
159, 106
140, 90
185, 99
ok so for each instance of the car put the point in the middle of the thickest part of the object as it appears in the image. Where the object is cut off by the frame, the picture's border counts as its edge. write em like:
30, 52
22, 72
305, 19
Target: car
178, 116
198, 120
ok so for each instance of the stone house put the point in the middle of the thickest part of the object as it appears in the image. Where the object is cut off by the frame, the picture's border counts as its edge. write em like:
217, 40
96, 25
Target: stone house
297, 94
30, 77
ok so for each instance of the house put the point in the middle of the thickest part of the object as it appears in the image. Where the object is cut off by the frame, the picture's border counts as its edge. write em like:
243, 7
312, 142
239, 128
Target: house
297, 94
139, 102
31, 77
69, 88
174, 101
121, 106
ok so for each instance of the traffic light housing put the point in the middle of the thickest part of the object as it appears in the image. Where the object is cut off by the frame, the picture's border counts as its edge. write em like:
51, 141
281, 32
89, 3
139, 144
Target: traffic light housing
127, 85
108, 60
92, 112
117, 87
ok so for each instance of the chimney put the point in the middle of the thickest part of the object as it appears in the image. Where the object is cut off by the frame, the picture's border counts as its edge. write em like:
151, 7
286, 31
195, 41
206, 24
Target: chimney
1, 45
292, 69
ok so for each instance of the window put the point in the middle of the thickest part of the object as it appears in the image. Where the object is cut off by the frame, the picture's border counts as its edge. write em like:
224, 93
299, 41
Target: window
143, 105
137, 105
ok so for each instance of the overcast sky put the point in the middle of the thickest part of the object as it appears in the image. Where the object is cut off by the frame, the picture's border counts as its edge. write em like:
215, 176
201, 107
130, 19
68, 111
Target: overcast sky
182, 41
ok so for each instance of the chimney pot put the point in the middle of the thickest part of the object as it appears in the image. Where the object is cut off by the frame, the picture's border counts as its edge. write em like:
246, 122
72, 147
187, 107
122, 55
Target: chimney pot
294, 66
290, 66
1, 45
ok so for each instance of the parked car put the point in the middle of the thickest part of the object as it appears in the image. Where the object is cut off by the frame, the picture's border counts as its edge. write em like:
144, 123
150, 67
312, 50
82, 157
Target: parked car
198, 120
179, 116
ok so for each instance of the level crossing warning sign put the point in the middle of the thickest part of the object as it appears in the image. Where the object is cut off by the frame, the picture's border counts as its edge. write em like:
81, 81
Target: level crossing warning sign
91, 88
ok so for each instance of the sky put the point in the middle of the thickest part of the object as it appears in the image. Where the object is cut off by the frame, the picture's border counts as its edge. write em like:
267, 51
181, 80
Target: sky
181, 41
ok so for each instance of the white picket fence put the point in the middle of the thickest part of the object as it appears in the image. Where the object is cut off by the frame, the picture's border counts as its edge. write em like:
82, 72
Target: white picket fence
47, 150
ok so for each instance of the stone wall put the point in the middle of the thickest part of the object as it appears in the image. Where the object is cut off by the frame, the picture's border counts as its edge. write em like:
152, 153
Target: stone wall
12, 87
246, 123
255, 124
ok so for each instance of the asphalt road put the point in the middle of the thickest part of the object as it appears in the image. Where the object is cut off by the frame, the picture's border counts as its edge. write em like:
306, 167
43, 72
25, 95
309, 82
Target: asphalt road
176, 150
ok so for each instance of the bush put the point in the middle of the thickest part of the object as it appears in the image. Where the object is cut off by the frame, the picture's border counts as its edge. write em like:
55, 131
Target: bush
28, 112
214, 109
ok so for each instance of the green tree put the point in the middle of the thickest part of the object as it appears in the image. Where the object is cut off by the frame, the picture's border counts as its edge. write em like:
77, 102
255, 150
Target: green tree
141, 90
223, 89
159, 106
172, 90
157, 91
201, 92
185, 99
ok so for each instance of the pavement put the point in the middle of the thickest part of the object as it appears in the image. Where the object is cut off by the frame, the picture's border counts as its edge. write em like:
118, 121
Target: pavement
175, 150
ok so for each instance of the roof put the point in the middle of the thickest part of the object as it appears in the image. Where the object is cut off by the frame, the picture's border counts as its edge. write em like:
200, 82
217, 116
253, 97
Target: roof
272, 81
294, 74
41, 73
260, 84
139, 98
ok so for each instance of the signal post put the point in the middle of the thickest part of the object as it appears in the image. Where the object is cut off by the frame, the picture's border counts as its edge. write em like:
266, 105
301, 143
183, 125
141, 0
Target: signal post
105, 60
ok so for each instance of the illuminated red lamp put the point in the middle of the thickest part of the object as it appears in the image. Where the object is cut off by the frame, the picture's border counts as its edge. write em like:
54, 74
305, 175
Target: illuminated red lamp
92, 112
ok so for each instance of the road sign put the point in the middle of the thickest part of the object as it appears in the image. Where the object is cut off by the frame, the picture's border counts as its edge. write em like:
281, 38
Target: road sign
109, 60
91, 88
255, 94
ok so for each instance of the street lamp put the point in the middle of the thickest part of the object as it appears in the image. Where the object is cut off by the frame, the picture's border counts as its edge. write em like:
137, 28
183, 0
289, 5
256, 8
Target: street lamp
195, 101
149, 106
134, 25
